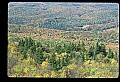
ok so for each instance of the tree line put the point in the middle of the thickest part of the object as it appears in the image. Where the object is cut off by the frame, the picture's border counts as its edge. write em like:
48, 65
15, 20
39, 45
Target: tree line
59, 54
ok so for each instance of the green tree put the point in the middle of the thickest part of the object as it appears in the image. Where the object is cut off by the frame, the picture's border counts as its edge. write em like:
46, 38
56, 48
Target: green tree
110, 53
30, 42
68, 47
90, 52
21, 43
72, 54
97, 49
100, 57
59, 48
23, 54
83, 47
83, 58
58, 64
33, 49
78, 46
62, 62
39, 56
52, 61
116, 56
65, 61
73, 46
103, 50
26, 42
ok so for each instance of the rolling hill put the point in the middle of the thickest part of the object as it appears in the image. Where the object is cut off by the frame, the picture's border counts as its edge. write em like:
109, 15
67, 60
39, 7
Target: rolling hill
64, 16
63, 40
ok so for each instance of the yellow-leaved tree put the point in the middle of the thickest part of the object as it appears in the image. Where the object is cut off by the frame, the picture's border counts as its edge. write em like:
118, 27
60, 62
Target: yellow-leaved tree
44, 64
53, 74
14, 51
46, 75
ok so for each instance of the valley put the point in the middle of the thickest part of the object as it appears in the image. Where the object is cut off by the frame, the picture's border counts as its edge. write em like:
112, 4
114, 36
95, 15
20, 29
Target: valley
63, 40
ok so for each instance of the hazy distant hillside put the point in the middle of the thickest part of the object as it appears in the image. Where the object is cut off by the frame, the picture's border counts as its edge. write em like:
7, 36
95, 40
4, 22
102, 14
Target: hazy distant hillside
65, 16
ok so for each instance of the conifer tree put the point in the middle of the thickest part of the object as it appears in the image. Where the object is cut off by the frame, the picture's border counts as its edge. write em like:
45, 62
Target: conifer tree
110, 53
39, 56
78, 46
116, 56
103, 50
26, 42
97, 49
90, 51
62, 63
83, 47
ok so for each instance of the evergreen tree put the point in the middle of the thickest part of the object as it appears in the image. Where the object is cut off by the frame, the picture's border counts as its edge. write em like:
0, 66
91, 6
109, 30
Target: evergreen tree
52, 61
73, 46
68, 48
97, 49
23, 54
103, 50
30, 42
90, 51
58, 48
26, 42
58, 64
78, 46
83, 58
83, 47
67, 57
62, 62
110, 53
33, 49
116, 56
54, 65
39, 56
39, 59
71, 54
21, 43
65, 61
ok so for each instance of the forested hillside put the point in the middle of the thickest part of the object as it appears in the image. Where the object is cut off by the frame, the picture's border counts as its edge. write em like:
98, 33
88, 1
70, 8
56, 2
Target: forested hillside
63, 40
65, 16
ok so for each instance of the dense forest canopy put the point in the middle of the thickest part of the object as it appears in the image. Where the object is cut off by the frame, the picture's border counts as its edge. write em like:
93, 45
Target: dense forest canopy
64, 15
63, 40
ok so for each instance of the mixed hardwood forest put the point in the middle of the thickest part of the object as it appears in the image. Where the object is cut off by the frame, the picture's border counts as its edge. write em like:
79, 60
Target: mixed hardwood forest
63, 40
